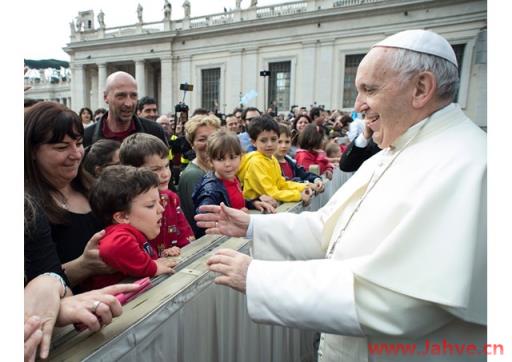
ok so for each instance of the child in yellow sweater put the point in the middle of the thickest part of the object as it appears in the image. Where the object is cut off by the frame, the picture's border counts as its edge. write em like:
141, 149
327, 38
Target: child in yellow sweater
260, 172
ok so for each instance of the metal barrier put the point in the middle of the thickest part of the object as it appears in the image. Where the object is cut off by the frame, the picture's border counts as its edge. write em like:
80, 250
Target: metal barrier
186, 317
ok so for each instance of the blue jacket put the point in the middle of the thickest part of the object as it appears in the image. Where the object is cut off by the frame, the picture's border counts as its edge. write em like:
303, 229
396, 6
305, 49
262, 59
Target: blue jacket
211, 191
299, 173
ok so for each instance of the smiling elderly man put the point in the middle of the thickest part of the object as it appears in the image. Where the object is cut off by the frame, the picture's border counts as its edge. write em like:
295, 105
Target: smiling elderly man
400, 249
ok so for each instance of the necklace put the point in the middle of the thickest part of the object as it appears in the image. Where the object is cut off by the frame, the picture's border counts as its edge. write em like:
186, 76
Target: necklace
62, 203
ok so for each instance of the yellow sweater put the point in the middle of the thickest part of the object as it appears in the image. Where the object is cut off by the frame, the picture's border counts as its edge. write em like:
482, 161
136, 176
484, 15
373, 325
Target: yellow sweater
261, 175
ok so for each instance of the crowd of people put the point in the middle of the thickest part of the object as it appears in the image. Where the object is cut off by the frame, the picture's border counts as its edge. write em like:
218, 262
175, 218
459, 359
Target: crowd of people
112, 194
117, 193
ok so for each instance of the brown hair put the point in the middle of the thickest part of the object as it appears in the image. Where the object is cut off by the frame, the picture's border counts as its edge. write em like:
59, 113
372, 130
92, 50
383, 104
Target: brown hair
283, 128
222, 143
136, 147
49, 123
332, 148
116, 188
311, 138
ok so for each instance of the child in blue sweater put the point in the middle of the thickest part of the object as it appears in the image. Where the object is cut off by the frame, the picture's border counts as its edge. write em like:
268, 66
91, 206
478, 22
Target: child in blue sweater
221, 184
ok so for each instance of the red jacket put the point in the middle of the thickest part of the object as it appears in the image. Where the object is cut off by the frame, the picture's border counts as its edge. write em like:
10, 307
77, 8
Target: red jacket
175, 229
307, 158
127, 250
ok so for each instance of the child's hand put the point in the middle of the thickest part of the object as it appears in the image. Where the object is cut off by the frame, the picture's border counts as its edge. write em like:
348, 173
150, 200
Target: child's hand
318, 186
328, 174
269, 199
306, 195
172, 251
244, 209
264, 207
165, 266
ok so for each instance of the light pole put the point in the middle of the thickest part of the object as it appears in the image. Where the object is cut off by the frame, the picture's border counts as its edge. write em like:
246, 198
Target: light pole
265, 74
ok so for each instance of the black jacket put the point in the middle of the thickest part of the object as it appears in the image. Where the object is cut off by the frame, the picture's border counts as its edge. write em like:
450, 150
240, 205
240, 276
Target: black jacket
95, 132
354, 156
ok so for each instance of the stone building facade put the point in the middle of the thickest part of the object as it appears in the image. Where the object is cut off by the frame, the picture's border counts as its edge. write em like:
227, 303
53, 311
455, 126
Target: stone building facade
311, 48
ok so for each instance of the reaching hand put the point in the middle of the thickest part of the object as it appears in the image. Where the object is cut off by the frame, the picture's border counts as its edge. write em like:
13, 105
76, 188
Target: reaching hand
269, 199
232, 267
223, 220
172, 251
318, 185
165, 266
90, 258
94, 309
33, 336
264, 207
306, 196
42, 299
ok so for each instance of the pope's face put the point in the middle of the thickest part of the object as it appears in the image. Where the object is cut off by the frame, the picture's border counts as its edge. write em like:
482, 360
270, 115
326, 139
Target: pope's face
383, 96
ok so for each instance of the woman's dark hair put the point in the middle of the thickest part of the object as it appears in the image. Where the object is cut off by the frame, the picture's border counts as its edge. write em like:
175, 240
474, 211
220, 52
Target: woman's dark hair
97, 156
48, 123
311, 138
83, 110
295, 132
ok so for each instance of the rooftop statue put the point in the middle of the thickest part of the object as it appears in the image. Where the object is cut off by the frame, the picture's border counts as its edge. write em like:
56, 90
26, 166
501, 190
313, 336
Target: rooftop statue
167, 10
139, 13
186, 8
101, 19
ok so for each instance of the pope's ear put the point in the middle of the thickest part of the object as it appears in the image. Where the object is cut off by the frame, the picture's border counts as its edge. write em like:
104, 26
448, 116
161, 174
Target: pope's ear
121, 217
424, 89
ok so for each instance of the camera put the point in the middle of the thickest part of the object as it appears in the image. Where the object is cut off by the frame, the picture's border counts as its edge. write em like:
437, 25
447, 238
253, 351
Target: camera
181, 107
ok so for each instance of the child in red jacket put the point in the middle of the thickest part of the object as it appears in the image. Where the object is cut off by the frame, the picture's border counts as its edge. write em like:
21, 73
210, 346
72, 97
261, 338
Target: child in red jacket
145, 150
127, 199
311, 153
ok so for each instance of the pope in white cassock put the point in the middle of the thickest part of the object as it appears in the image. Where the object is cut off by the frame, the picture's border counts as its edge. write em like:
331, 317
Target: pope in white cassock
398, 254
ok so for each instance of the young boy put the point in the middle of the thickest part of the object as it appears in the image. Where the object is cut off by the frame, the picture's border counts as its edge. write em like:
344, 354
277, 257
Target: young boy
260, 172
127, 199
221, 184
289, 168
145, 150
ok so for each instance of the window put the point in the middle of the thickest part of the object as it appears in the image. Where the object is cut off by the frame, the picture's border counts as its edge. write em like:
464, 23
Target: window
349, 85
279, 86
210, 83
459, 55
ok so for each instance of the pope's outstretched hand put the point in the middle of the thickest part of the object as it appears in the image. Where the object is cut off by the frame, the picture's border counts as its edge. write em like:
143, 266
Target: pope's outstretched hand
223, 220
232, 267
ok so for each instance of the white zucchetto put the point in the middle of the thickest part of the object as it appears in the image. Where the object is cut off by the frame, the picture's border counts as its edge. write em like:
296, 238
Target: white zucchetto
422, 41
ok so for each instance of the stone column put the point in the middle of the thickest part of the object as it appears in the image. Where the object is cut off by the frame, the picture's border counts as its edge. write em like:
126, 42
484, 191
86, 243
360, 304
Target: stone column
234, 80
185, 75
250, 77
77, 87
102, 76
140, 76
305, 69
167, 86
325, 69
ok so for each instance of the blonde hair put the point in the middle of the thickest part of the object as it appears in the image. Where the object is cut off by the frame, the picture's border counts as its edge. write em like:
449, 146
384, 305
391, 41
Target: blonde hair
198, 121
